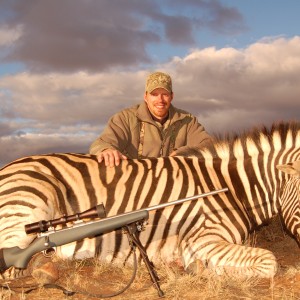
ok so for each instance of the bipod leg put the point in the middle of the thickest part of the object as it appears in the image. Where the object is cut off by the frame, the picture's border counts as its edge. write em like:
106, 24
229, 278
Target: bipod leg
132, 235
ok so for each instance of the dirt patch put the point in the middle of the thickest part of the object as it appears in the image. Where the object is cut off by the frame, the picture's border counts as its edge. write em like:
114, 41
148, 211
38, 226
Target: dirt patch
94, 278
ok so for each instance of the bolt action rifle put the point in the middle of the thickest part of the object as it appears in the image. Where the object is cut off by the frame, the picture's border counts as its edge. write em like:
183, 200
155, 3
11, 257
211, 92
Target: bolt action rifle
48, 237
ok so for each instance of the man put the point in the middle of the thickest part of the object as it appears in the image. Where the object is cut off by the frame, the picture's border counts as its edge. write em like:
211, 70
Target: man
154, 128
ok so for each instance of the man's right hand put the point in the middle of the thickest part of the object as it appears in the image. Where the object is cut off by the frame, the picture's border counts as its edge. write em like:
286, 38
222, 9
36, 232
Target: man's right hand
111, 157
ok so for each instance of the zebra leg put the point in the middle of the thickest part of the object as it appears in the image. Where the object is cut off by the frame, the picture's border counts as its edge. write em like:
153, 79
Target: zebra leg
228, 258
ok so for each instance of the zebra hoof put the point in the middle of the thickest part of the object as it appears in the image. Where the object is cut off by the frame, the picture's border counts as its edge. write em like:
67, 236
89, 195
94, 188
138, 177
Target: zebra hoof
196, 267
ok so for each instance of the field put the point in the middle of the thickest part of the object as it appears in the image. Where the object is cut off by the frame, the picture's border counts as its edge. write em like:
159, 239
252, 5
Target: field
93, 277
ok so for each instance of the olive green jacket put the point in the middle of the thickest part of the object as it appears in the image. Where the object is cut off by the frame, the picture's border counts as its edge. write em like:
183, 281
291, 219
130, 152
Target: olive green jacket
135, 134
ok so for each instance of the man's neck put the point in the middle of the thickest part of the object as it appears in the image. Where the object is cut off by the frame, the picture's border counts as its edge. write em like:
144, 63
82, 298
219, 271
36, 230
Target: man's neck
162, 121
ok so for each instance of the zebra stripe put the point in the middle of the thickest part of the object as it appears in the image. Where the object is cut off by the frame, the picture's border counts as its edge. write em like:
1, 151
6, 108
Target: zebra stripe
290, 197
209, 232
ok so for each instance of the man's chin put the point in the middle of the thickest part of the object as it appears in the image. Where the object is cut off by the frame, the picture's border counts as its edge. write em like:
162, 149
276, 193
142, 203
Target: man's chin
161, 113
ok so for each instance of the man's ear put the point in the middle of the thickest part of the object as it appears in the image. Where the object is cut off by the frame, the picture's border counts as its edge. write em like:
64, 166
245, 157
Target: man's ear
172, 96
145, 97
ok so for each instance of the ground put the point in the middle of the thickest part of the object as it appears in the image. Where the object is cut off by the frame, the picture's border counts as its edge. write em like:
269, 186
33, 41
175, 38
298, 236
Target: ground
94, 278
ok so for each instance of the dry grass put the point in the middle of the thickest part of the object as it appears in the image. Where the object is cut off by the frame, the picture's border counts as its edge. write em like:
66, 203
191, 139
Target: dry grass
174, 282
96, 277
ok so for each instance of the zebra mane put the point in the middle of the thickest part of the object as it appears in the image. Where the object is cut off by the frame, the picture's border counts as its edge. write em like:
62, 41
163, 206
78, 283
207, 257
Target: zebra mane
281, 128
255, 140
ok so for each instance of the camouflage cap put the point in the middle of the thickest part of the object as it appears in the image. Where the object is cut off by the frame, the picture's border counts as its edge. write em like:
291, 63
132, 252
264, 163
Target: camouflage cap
158, 80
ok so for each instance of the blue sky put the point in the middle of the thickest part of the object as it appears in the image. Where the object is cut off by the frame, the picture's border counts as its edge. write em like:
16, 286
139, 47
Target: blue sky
260, 19
67, 66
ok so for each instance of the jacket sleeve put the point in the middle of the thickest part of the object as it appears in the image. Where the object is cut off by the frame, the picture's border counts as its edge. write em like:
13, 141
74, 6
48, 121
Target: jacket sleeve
114, 136
196, 136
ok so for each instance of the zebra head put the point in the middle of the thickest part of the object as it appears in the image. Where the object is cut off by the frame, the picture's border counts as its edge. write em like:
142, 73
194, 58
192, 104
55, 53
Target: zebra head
290, 198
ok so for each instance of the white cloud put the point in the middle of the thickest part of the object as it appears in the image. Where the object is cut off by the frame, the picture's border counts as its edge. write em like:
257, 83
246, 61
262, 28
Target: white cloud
13, 147
9, 35
74, 98
228, 89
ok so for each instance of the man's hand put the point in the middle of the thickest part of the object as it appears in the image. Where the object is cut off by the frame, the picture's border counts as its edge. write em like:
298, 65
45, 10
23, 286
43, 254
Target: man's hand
111, 157
173, 153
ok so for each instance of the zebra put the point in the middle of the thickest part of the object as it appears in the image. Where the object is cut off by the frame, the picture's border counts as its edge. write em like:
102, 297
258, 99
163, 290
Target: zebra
208, 233
290, 196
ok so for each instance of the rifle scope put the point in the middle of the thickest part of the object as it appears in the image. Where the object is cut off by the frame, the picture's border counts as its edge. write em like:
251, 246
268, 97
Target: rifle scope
97, 211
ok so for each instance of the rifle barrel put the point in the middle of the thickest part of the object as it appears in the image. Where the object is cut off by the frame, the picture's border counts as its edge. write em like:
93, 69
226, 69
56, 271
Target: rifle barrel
179, 201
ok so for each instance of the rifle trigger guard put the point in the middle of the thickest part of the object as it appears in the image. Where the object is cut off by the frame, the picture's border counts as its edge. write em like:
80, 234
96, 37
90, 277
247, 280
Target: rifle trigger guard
49, 252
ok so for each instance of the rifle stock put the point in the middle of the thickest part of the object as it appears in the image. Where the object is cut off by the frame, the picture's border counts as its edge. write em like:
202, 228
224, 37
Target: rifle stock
19, 258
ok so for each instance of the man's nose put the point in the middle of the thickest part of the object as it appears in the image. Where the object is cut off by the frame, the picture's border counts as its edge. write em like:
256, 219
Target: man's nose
160, 97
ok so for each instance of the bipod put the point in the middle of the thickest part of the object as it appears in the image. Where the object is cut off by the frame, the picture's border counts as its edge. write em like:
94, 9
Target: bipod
132, 230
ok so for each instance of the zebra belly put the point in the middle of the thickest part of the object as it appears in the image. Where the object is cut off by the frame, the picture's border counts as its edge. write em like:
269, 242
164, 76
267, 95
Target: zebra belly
115, 247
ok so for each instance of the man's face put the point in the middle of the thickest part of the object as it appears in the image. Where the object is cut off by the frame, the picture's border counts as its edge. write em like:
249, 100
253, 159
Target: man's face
158, 102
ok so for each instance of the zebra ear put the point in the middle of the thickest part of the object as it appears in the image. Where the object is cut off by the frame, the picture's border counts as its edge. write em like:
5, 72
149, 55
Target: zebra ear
290, 168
